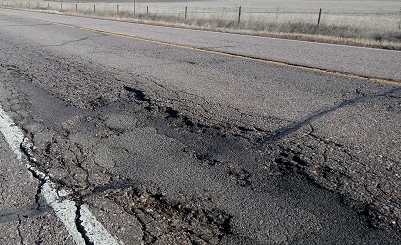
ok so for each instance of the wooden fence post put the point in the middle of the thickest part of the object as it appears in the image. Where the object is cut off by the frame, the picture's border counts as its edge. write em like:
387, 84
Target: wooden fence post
239, 14
320, 16
399, 22
48, 5
94, 8
61, 7
134, 9
118, 9
186, 12
147, 9
76, 7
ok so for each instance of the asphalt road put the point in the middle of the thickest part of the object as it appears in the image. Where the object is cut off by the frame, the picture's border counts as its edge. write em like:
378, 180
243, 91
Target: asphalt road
368, 62
22, 219
147, 136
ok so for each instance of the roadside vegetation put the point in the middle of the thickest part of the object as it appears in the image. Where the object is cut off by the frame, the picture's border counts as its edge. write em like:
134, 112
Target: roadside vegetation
377, 27
365, 36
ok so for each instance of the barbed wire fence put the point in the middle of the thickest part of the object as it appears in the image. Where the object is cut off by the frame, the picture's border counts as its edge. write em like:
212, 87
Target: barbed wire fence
235, 13
399, 21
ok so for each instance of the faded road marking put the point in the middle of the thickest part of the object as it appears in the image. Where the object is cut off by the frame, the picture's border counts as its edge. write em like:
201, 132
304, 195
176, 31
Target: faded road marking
64, 209
267, 61
343, 74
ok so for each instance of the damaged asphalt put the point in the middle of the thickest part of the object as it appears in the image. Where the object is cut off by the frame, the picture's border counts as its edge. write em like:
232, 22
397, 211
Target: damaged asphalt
168, 146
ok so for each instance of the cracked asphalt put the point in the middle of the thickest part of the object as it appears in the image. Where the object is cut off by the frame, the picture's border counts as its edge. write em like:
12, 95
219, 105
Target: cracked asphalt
24, 217
167, 145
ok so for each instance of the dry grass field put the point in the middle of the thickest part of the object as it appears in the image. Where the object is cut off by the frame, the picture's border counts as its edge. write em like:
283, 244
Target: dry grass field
353, 22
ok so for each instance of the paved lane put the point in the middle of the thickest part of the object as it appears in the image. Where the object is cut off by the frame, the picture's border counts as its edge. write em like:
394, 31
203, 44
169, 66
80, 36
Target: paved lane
25, 218
368, 62
190, 146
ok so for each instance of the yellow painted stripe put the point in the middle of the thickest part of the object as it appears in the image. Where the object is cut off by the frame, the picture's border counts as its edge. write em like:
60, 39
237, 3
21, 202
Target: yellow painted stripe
343, 74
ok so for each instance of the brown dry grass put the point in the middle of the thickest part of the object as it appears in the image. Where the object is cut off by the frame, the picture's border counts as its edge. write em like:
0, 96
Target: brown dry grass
327, 32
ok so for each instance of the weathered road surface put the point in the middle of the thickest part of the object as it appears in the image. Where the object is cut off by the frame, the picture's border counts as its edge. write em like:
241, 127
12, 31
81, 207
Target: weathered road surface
165, 138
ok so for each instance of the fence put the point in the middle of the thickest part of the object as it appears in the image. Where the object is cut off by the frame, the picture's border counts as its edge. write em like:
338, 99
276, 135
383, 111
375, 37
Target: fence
378, 19
399, 22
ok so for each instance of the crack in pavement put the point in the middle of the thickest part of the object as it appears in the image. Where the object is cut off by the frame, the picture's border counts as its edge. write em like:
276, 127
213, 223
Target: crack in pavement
283, 132
80, 226
193, 122
323, 162
147, 237
19, 230
86, 225
74, 41
39, 240
3, 178
173, 115
161, 217
62, 207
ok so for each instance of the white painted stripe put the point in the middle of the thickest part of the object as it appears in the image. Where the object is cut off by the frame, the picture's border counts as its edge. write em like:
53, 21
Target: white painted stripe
95, 230
64, 209
11, 133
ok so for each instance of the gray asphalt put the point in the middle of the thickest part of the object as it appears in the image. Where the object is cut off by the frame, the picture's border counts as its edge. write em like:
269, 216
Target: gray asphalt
23, 218
189, 146
368, 62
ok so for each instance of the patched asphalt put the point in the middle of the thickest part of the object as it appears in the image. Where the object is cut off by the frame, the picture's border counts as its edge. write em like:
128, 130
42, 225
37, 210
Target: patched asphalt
168, 145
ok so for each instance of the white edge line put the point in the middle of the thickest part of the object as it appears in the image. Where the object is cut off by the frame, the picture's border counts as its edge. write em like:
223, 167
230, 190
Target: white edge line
64, 209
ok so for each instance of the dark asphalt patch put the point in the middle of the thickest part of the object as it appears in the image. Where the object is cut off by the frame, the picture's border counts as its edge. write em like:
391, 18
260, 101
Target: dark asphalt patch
9, 215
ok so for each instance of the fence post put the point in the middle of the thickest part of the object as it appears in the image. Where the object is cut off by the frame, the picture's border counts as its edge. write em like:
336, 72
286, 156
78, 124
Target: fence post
118, 9
76, 7
147, 9
94, 8
186, 12
48, 5
239, 14
134, 8
320, 16
61, 7
399, 22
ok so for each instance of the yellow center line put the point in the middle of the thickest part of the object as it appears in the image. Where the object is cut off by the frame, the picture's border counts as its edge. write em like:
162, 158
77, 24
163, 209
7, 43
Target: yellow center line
343, 74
